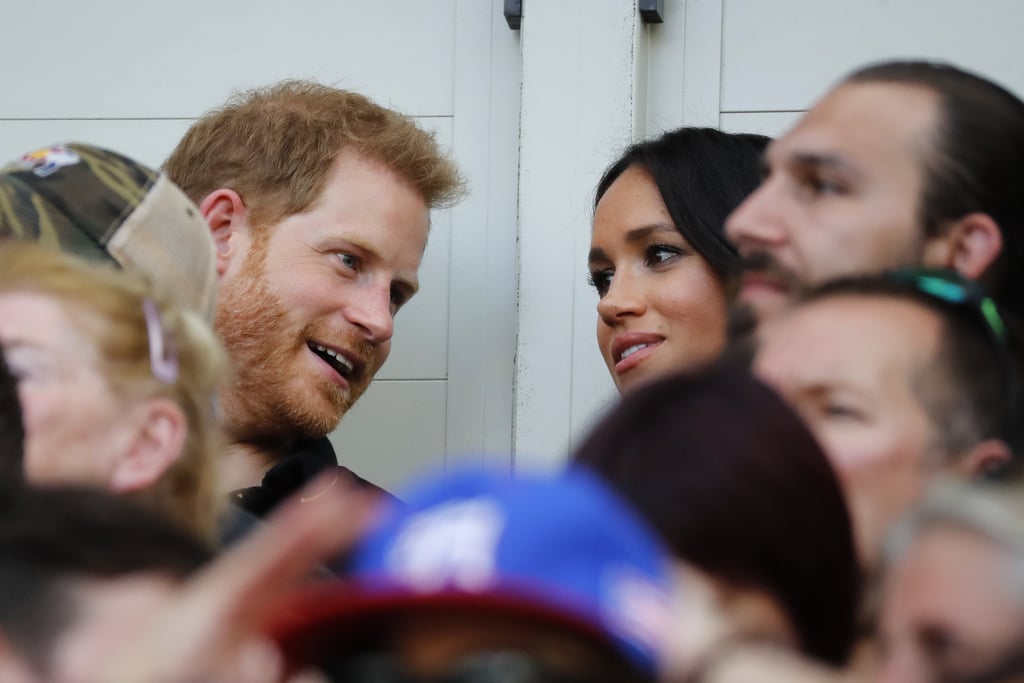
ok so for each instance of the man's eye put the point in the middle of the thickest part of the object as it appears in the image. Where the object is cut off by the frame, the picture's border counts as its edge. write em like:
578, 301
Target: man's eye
822, 186
840, 411
600, 280
348, 260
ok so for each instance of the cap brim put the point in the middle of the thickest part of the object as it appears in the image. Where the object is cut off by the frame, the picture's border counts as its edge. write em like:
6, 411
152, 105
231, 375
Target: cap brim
328, 620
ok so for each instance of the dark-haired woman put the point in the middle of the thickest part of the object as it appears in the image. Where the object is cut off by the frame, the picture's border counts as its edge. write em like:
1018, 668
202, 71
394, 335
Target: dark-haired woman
746, 500
659, 259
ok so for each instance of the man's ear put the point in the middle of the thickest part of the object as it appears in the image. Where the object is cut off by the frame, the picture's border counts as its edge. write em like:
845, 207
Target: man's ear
970, 245
985, 459
159, 437
228, 219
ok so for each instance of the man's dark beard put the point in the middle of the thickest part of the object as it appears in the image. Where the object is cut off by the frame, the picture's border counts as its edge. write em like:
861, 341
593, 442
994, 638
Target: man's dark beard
768, 267
740, 328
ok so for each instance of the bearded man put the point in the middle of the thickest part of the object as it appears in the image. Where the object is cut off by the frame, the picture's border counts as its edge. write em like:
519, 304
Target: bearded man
318, 201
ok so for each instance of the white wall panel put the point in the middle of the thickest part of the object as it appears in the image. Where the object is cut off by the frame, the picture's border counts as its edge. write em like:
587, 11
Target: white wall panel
420, 346
782, 55
666, 53
769, 123
124, 58
579, 86
482, 319
394, 431
145, 140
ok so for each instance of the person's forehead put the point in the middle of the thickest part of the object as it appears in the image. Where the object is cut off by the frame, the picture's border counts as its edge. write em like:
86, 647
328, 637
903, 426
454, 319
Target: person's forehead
867, 123
855, 336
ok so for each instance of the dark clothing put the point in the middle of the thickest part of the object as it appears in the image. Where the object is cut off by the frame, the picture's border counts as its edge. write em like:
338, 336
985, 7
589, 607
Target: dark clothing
306, 461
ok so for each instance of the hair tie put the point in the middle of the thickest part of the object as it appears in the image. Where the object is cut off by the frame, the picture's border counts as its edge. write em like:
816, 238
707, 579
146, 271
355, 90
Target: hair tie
163, 356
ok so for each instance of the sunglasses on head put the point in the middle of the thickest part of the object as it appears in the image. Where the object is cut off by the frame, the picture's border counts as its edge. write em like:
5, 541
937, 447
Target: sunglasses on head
950, 287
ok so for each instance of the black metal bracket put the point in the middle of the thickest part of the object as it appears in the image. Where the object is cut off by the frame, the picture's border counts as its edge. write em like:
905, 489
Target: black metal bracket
651, 11
514, 13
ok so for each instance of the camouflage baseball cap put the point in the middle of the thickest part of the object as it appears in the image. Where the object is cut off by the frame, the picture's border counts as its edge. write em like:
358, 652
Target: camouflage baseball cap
105, 207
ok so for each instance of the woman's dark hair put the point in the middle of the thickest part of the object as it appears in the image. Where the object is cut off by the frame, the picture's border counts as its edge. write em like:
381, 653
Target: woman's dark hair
737, 486
702, 174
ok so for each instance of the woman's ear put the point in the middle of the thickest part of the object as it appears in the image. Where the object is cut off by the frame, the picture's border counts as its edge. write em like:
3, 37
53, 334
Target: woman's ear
157, 442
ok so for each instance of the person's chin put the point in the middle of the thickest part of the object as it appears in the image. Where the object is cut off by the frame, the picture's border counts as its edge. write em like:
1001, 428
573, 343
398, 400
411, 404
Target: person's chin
639, 376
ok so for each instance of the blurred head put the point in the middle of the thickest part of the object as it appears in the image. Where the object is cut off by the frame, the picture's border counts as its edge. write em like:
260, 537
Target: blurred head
739, 490
117, 383
12, 430
897, 383
953, 602
489, 577
659, 258
903, 163
107, 208
318, 202
79, 571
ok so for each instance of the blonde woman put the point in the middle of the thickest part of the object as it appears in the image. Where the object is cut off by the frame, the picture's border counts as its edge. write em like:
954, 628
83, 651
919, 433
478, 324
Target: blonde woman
117, 383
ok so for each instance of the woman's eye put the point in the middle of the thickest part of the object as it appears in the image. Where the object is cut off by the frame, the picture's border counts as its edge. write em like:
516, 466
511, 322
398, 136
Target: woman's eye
661, 253
600, 280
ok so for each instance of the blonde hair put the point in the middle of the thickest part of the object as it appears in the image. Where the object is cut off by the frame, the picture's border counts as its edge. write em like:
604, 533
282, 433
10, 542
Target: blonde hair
274, 146
107, 305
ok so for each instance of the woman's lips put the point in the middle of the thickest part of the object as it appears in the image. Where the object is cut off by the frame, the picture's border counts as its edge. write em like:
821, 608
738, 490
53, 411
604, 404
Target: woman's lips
632, 349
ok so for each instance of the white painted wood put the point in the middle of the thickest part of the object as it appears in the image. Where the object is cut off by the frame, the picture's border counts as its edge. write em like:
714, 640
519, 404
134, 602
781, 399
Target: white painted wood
783, 54
123, 58
666, 55
768, 123
579, 74
419, 349
396, 430
146, 140
482, 321
702, 63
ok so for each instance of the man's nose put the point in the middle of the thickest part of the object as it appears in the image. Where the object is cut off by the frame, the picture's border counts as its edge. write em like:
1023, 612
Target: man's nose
371, 311
759, 222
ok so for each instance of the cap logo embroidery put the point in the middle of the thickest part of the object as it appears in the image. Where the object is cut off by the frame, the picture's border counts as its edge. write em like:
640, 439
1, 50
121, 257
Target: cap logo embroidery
455, 545
44, 162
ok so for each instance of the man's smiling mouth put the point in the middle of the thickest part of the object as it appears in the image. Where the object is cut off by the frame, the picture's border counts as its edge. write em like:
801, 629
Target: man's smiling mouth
343, 366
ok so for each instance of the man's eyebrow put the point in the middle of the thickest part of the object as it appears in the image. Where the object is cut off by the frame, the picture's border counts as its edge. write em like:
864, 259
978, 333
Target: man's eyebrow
819, 160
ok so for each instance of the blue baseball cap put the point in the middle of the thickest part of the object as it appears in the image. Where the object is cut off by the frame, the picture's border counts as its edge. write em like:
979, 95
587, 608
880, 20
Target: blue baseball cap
561, 549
